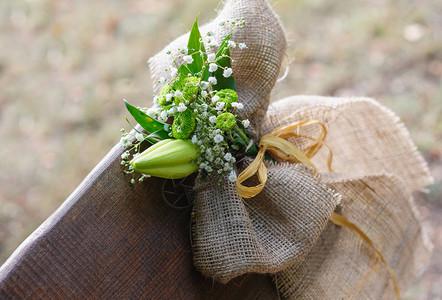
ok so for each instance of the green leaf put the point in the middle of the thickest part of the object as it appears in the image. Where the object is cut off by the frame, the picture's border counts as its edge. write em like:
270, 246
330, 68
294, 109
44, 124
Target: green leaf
195, 44
157, 136
148, 123
183, 70
223, 45
222, 82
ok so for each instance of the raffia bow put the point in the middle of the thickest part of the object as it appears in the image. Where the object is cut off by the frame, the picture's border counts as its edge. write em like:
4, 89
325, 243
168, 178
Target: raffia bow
280, 148
285, 230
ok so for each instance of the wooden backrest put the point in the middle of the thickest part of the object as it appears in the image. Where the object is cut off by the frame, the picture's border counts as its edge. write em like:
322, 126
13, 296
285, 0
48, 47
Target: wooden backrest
112, 239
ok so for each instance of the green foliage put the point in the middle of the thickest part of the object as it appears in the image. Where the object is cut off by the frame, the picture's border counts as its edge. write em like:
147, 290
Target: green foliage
223, 56
152, 126
194, 47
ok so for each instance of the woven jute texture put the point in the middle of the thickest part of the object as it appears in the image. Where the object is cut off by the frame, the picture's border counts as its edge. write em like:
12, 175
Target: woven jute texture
285, 230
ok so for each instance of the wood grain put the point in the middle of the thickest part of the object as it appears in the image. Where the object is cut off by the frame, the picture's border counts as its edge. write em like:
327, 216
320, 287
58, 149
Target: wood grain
114, 240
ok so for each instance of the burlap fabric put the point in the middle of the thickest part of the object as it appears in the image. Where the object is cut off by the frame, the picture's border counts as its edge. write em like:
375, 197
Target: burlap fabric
285, 230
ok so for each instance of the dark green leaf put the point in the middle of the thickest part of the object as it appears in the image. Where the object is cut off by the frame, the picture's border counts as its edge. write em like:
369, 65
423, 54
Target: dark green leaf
148, 123
223, 45
157, 136
222, 82
193, 45
183, 70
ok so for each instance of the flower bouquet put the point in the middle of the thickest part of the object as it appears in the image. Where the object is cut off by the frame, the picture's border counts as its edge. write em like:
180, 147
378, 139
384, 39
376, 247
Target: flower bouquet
193, 123
329, 213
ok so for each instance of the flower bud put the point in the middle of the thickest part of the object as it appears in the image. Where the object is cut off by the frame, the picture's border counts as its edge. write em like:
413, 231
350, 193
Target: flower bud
183, 124
225, 121
228, 96
169, 158
189, 88
162, 98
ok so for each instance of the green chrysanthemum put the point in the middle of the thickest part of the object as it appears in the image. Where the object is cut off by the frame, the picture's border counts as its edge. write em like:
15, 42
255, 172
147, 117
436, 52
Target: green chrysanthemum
225, 121
227, 96
166, 89
189, 88
183, 124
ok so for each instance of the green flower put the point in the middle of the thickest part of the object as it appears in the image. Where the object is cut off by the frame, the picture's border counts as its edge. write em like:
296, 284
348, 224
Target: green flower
166, 89
169, 158
227, 96
183, 124
188, 87
225, 121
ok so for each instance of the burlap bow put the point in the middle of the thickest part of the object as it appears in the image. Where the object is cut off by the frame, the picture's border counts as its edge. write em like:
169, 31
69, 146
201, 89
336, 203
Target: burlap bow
285, 230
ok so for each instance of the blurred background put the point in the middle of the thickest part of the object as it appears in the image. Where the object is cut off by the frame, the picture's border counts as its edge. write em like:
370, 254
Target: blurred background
66, 65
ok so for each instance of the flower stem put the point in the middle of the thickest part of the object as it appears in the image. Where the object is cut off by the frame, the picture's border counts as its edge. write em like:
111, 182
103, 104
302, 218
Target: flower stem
241, 134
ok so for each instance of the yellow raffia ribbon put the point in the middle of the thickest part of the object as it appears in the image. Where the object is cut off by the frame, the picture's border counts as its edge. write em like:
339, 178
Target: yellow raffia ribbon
340, 220
277, 145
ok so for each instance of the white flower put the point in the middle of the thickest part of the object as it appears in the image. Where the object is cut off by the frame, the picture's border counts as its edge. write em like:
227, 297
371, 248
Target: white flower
173, 72
218, 138
238, 105
246, 123
221, 23
181, 107
163, 116
228, 156
178, 94
203, 94
185, 50
215, 98
153, 110
211, 41
242, 46
204, 85
212, 119
168, 97
172, 110
232, 176
188, 59
155, 99
220, 105
211, 57
227, 72
213, 67
166, 127
212, 80
125, 155
232, 44
162, 80
139, 137
194, 139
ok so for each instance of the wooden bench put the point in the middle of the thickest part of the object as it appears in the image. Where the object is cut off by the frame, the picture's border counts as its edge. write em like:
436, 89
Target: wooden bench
112, 239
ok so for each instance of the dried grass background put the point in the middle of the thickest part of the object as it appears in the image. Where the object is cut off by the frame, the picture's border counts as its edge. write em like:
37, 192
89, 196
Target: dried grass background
66, 65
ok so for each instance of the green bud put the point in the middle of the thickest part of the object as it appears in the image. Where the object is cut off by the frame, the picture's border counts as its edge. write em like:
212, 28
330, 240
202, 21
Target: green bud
189, 87
225, 121
183, 124
169, 158
166, 89
227, 96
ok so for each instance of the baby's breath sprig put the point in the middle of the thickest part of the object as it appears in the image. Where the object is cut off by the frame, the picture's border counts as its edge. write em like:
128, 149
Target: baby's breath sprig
197, 102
